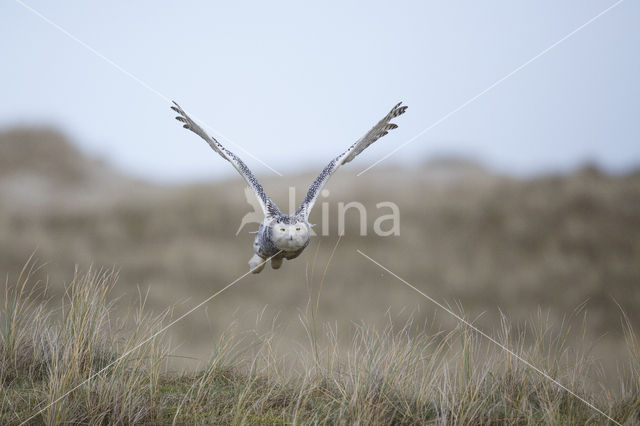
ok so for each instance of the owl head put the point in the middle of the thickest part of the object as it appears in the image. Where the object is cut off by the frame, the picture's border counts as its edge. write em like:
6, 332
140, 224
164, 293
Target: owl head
290, 233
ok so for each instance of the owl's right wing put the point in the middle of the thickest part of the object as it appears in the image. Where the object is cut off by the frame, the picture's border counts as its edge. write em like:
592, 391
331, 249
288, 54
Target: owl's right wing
268, 207
376, 132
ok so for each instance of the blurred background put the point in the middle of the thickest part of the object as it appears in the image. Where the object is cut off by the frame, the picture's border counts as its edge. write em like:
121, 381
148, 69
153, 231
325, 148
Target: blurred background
525, 200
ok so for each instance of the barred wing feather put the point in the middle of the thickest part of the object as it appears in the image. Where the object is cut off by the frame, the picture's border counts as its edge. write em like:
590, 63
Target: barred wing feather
268, 207
379, 130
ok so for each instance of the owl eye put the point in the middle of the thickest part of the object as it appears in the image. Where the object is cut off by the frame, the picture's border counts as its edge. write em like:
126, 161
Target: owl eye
297, 229
282, 229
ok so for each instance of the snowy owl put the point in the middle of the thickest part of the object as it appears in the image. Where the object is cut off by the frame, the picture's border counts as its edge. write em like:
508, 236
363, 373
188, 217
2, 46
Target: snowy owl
282, 236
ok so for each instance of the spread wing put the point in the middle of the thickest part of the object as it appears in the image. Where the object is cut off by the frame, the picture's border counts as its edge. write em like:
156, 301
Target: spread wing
268, 207
378, 131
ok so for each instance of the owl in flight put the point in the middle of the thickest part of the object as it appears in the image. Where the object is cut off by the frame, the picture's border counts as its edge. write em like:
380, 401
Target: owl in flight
282, 236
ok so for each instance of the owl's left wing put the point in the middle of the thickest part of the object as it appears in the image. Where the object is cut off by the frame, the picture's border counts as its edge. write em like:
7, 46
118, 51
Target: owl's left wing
378, 131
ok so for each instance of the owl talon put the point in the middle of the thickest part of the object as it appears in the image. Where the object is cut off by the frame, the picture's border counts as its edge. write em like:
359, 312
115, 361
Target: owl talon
256, 264
276, 263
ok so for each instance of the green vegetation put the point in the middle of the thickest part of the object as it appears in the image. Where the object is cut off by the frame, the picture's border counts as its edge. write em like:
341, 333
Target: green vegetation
76, 364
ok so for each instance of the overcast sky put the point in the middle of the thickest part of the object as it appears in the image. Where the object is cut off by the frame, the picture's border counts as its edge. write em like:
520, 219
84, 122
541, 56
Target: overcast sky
295, 84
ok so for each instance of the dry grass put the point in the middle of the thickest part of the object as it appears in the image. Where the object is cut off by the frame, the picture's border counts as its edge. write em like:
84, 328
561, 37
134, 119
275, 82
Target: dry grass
346, 344
491, 243
45, 354
408, 374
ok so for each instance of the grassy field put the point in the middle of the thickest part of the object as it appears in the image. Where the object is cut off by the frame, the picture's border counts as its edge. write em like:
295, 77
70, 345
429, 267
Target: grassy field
549, 266
80, 365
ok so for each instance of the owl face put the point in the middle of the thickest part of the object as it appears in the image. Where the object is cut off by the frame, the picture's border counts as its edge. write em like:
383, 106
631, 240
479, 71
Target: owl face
290, 237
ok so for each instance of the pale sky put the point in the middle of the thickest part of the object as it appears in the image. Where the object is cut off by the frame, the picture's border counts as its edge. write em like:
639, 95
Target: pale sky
295, 83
